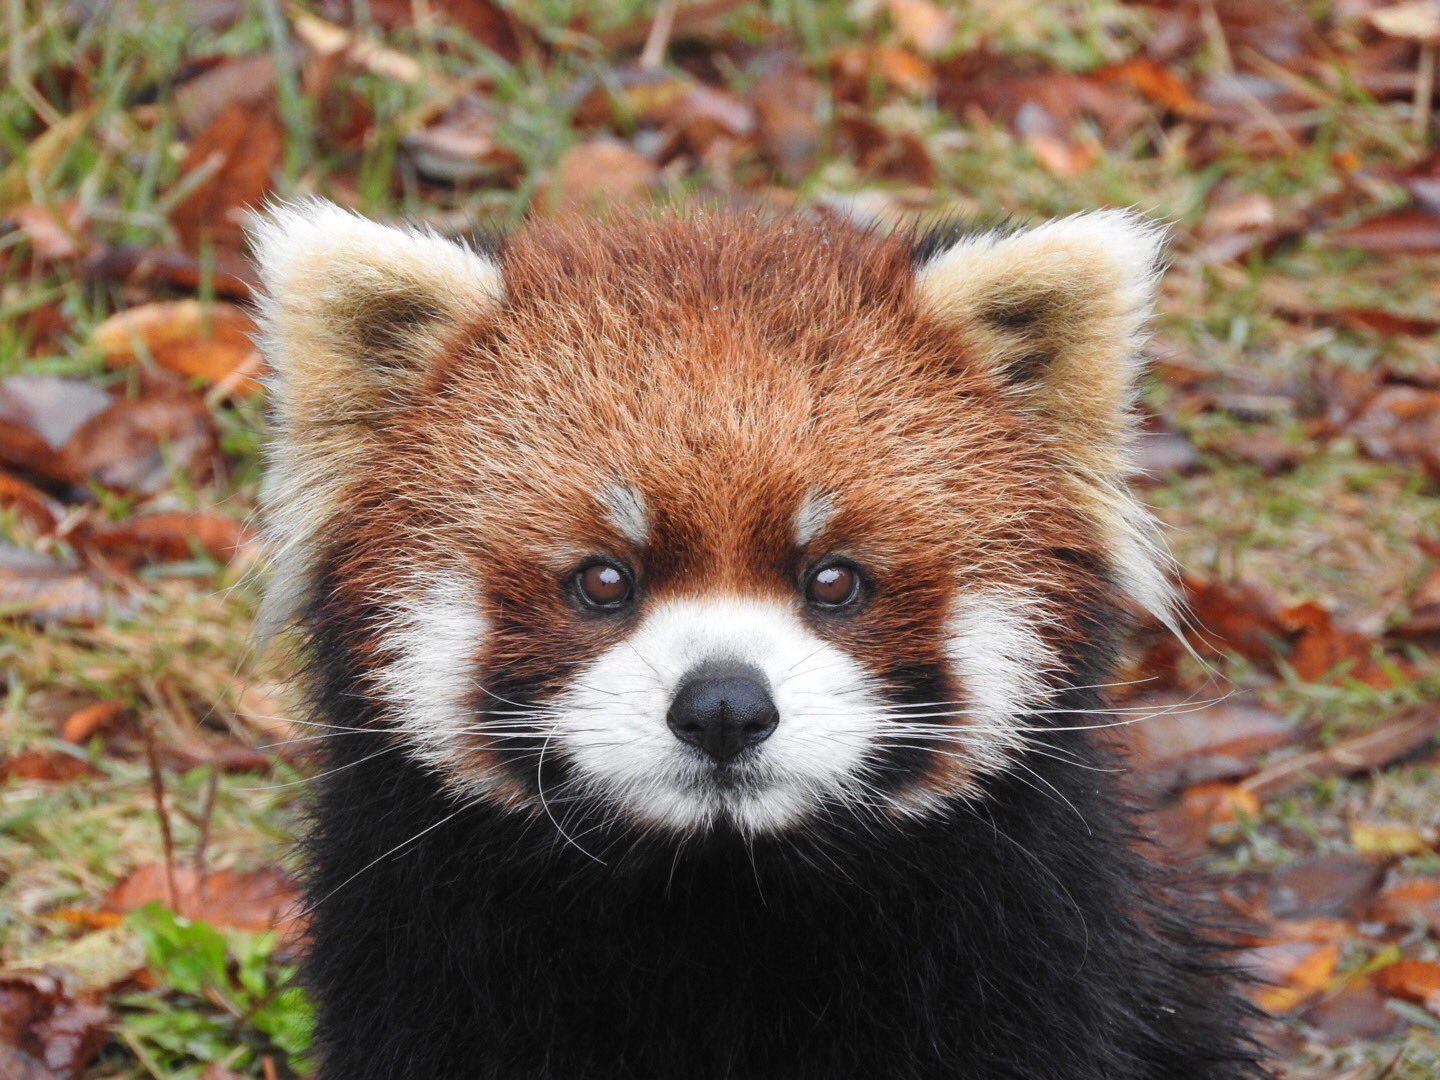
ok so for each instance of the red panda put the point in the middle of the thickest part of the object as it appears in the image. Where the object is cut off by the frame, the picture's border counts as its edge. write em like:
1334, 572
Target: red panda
712, 613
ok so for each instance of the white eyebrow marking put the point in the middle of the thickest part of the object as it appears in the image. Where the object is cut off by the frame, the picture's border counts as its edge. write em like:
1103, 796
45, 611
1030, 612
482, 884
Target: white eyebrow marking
817, 511
625, 507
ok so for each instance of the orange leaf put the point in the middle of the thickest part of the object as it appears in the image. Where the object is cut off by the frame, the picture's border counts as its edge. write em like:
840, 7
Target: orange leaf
245, 900
187, 337
86, 721
922, 24
1297, 972
1413, 980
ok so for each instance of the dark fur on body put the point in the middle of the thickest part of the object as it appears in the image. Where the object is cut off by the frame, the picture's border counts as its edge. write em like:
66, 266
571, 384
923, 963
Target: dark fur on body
1020, 937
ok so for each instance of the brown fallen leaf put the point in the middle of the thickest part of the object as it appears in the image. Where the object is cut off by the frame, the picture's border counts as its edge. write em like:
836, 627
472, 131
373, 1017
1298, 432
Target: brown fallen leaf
195, 340
1183, 745
47, 766
1391, 741
1322, 886
603, 171
1157, 83
55, 232
1356, 1011
45, 1034
135, 443
1401, 423
227, 273
1398, 232
790, 135
241, 149
460, 146
29, 503
853, 67
168, 536
262, 899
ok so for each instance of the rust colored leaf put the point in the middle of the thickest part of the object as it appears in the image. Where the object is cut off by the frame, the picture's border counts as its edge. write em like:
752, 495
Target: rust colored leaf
1408, 903
1398, 232
261, 899
1295, 972
204, 341
853, 67
459, 146
1393, 740
242, 147
169, 536
923, 25
1413, 980
55, 232
603, 171
881, 152
29, 503
1218, 803
1155, 82
486, 22
1401, 423
247, 81
86, 721
49, 766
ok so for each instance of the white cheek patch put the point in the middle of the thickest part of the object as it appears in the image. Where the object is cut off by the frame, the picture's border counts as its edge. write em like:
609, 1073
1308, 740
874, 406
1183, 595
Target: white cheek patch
614, 729
433, 633
1001, 662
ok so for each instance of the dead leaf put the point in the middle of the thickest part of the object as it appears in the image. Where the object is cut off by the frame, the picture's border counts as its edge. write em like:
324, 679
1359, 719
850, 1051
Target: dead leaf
1295, 971
1391, 741
1405, 903
1401, 423
1183, 745
133, 444
1387, 839
226, 273
88, 964
923, 25
46, 766
603, 171
248, 81
241, 147
55, 232
459, 145
1415, 20
1413, 980
195, 340
30, 504
39, 588
261, 899
82, 724
1322, 886
1397, 232
785, 119
169, 536
45, 1034
1156, 83
1356, 1011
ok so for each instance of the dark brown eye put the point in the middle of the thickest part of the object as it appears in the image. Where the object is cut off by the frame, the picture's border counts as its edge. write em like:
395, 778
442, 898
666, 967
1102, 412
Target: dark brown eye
833, 586
604, 585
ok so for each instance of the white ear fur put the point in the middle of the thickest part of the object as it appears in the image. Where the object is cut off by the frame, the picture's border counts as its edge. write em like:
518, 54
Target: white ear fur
1058, 313
353, 314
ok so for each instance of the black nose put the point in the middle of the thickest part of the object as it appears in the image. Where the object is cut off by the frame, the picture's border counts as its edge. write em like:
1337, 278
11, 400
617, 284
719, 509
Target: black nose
723, 710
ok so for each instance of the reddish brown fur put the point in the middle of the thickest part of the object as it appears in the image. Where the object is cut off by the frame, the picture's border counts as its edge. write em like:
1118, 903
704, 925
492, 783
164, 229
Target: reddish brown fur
776, 357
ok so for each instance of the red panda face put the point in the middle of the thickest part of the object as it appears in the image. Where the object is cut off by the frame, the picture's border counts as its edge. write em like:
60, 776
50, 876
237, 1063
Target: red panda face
708, 523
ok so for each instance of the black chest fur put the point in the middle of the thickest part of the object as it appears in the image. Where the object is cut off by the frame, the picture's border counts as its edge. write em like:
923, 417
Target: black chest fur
1019, 938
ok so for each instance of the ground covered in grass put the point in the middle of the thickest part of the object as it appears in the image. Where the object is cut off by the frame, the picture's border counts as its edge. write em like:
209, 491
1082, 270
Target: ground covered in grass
152, 774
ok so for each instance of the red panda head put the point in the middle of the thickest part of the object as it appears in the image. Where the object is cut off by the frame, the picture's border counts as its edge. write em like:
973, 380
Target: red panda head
710, 521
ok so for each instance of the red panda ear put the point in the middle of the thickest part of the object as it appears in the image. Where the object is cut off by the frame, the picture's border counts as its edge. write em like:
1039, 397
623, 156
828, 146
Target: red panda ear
353, 316
1057, 313
355, 311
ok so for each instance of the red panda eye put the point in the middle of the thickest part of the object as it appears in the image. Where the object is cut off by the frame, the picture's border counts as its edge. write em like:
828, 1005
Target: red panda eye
603, 585
833, 586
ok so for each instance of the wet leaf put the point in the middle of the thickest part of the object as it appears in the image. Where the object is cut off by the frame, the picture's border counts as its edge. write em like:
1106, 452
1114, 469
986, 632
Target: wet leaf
41, 589
1183, 745
135, 443
45, 1034
785, 118
169, 536
1323, 886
